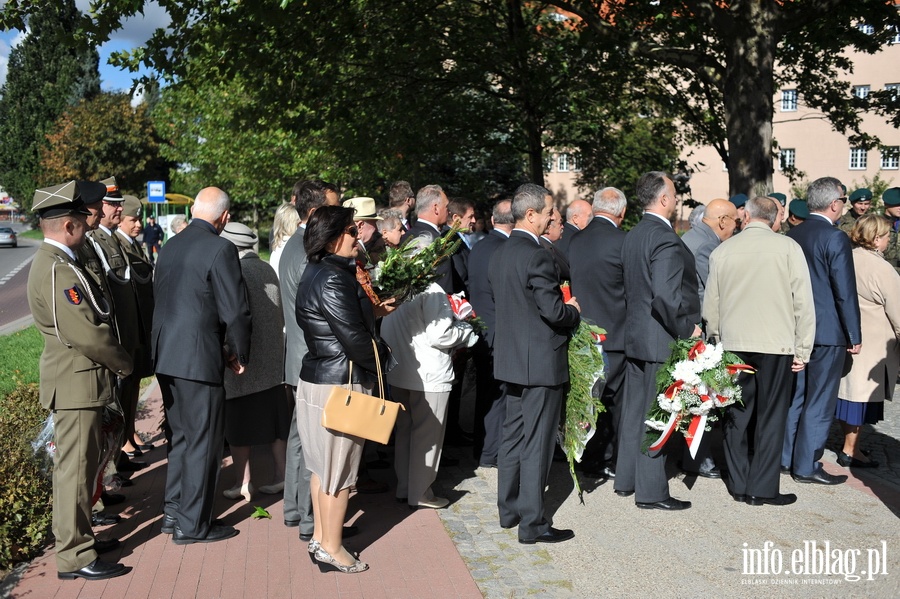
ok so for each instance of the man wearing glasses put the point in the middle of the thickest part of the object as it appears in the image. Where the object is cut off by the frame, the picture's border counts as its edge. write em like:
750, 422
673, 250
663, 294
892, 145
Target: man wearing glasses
828, 255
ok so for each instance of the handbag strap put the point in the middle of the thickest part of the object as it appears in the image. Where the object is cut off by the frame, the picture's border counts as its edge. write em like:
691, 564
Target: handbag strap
377, 369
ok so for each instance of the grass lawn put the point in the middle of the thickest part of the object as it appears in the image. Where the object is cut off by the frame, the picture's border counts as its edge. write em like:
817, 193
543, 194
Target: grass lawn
20, 354
32, 234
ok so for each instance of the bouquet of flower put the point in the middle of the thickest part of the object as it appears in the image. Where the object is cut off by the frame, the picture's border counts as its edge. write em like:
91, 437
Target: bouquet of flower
697, 381
412, 267
587, 371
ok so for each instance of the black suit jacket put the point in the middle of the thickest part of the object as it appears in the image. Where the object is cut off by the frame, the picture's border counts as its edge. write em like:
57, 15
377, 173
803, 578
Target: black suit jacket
830, 260
201, 304
559, 259
478, 285
564, 243
662, 300
598, 278
532, 321
426, 234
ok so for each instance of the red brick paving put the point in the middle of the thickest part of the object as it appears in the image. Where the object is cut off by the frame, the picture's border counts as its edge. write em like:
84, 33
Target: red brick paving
409, 554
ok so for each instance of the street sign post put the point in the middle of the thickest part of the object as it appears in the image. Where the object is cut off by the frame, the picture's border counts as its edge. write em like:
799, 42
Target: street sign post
156, 192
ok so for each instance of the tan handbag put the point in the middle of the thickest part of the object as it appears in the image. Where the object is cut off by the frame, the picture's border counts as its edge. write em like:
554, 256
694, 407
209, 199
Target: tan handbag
359, 414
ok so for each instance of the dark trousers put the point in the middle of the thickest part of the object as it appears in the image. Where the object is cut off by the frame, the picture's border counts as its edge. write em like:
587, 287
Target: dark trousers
603, 446
635, 470
297, 500
767, 397
812, 410
195, 416
490, 405
526, 454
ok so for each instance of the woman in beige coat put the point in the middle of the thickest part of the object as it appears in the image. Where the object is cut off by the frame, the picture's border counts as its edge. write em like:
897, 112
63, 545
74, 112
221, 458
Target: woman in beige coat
872, 372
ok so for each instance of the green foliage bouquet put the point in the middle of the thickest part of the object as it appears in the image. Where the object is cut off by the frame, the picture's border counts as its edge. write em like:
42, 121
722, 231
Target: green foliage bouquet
412, 267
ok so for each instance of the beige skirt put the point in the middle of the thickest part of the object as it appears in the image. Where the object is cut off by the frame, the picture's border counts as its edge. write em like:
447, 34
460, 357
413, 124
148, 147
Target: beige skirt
332, 456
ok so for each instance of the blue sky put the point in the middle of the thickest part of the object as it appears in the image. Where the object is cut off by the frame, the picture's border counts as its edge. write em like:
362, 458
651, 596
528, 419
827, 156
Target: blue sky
134, 32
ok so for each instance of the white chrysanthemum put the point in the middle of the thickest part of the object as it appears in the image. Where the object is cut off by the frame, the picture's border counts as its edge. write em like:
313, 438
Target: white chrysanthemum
656, 424
686, 371
710, 358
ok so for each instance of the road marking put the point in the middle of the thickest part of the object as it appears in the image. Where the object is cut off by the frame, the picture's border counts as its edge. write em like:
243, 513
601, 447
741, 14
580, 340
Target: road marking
16, 270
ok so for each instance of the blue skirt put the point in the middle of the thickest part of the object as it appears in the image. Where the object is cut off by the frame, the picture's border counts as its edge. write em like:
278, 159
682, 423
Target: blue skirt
857, 413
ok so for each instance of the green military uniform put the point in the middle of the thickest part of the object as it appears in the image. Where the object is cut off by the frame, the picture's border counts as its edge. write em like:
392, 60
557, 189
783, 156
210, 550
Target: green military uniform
141, 276
849, 218
79, 365
891, 200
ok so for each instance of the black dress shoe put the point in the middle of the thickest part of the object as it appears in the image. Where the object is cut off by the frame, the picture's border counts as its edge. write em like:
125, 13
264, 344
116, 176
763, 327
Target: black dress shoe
624, 493
554, 535
850, 462
820, 477
710, 473
104, 519
96, 570
780, 499
107, 545
670, 504
217, 532
306, 538
111, 498
785, 470
292, 523
739, 498
168, 524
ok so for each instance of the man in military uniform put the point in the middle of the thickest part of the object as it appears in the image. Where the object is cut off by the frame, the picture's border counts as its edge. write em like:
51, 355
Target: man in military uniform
798, 211
891, 200
860, 202
79, 364
125, 303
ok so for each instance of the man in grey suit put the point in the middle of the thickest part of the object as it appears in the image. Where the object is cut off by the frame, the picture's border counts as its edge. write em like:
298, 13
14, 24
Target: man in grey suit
306, 197
595, 260
662, 305
830, 260
532, 328
201, 322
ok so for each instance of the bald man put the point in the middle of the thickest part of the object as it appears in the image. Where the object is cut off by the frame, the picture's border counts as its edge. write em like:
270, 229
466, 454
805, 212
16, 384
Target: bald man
201, 323
578, 214
718, 224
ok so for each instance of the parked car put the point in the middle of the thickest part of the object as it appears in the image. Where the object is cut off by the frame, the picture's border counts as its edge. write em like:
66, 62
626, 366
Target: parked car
8, 237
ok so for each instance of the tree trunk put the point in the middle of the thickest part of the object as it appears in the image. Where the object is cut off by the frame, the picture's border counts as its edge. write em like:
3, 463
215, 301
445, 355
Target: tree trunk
748, 97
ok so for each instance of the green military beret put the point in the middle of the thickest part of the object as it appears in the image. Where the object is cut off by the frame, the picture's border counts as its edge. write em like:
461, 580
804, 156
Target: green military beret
861, 195
799, 208
132, 207
782, 199
59, 200
738, 200
891, 197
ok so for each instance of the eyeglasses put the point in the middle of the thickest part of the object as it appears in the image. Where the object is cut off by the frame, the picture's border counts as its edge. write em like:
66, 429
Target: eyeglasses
842, 199
352, 231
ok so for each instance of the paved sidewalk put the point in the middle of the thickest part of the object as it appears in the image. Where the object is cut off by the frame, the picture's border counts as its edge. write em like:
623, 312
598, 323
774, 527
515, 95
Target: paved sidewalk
618, 551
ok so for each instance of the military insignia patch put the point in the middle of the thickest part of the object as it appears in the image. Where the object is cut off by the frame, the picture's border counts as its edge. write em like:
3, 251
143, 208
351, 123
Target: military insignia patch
74, 295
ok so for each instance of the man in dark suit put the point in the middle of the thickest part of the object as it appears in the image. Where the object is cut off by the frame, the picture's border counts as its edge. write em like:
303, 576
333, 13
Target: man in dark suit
550, 239
431, 216
460, 213
80, 364
829, 257
663, 305
578, 214
201, 322
595, 259
306, 196
490, 410
532, 330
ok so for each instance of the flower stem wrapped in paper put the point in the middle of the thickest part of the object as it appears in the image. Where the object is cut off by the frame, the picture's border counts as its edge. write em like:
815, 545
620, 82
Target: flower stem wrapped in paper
412, 267
587, 376
696, 382
463, 311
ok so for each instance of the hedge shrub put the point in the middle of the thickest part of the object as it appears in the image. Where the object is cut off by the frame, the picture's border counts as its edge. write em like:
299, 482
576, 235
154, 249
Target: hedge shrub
26, 489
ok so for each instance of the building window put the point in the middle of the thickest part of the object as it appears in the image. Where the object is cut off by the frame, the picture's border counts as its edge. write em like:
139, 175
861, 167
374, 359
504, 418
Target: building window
788, 100
867, 29
890, 158
787, 158
562, 163
858, 159
861, 91
895, 39
894, 88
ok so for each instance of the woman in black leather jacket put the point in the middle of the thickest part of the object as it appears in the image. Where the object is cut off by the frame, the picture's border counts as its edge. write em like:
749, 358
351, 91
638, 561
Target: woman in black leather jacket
338, 324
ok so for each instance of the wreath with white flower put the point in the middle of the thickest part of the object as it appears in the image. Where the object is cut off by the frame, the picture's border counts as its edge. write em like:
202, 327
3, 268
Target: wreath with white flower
695, 385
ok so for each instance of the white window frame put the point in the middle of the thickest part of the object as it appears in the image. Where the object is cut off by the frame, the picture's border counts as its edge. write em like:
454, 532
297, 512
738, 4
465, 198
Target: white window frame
896, 38
862, 91
562, 162
787, 158
866, 28
890, 158
859, 159
789, 100
893, 87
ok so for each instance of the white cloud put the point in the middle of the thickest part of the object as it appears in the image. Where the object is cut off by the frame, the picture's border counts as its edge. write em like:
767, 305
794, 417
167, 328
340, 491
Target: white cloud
137, 29
6, 46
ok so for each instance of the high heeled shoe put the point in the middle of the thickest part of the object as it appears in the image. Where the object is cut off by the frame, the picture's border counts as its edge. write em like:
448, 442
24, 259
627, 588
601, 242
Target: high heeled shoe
327, 562
848, 461
272, 489
245, 491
